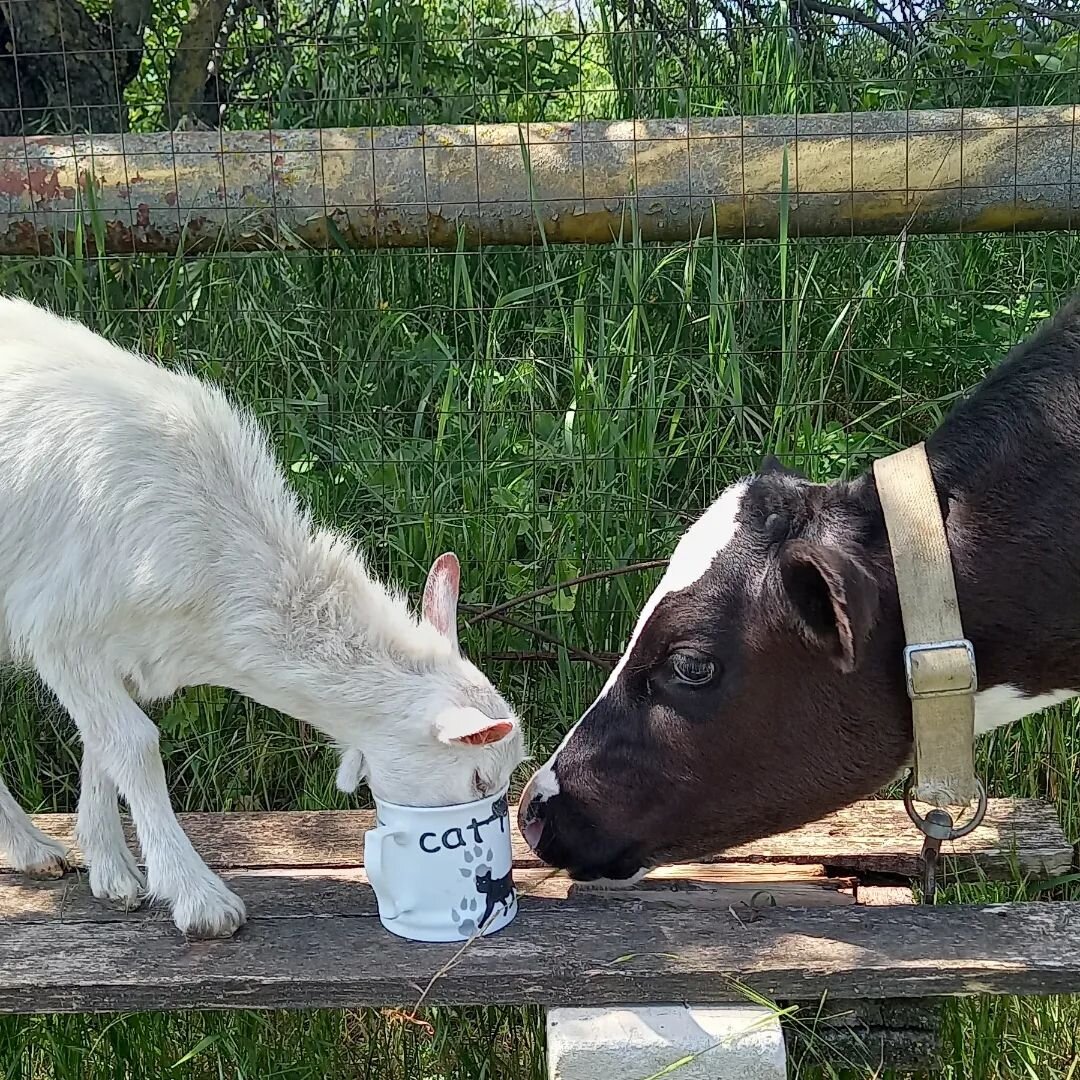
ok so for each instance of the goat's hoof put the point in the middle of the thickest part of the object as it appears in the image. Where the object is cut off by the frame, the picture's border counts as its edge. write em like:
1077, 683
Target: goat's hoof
55, 866
118, 883
46, 860
209, 912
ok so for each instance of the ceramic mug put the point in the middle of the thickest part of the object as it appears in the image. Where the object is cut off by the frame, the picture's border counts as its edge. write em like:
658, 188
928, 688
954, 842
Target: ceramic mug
441, 873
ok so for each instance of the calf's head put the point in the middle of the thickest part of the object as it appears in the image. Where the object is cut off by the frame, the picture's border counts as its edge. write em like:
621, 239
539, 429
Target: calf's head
761, 688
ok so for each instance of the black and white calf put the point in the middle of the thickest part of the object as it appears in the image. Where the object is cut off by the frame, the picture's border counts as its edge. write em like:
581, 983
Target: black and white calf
763, 684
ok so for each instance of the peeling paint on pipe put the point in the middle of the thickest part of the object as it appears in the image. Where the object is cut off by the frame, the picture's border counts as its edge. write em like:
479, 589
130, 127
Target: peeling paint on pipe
974, 170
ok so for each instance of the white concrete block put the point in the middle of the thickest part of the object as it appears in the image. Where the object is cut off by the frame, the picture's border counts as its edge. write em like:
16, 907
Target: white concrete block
737, 1042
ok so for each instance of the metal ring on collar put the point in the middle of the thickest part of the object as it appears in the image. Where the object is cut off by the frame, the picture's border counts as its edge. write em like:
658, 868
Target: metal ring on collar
954, 832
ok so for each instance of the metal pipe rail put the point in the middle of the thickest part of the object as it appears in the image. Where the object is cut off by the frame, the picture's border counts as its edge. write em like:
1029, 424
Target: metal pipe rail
879, 173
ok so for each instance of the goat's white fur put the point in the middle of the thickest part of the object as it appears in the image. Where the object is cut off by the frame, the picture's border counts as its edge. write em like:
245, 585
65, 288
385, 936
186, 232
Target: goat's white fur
148, 542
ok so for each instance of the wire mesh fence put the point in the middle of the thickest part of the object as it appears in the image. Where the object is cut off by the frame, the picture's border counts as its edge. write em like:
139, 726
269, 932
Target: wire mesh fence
551, 411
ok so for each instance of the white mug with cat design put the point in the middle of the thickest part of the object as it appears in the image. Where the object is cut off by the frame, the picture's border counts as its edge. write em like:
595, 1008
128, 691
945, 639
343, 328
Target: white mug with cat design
442, 873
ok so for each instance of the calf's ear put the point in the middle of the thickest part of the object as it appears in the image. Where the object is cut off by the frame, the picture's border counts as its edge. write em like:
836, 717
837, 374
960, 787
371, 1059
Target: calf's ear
772, 464
832, 596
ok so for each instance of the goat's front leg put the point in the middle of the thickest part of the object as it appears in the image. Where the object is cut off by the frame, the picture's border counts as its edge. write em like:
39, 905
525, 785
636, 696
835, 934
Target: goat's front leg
114, 873
124, 743
27, 848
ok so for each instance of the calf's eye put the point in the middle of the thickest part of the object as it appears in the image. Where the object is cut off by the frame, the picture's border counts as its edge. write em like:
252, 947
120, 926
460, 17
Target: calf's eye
693, 669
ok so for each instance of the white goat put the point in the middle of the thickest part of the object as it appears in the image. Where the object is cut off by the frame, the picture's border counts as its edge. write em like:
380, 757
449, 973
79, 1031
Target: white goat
148, 542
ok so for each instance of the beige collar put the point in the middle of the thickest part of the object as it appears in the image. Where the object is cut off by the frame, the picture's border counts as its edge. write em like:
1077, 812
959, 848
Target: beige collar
939, 662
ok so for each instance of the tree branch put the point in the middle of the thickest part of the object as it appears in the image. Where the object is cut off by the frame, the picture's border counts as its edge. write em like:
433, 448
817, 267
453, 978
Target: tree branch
896, 38
191, 64
596, 575
538, 657
1069, 18
308, 31
543, 635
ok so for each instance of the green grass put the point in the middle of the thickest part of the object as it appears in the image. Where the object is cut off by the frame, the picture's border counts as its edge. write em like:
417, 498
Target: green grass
543, 413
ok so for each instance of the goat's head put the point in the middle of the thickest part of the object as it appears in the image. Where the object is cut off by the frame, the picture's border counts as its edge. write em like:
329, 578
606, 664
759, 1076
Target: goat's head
442, 734
761, 688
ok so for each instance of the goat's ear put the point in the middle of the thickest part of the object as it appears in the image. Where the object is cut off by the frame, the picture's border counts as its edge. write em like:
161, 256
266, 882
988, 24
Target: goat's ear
772, 464
471, 727
351, 772
441, 595
833, 597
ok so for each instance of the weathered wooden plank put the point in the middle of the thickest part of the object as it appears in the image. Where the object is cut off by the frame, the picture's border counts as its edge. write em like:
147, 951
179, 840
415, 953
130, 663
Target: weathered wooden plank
711, 885
721, 872
1018, 836
553, 954
1021, 836
318, 893
883, 895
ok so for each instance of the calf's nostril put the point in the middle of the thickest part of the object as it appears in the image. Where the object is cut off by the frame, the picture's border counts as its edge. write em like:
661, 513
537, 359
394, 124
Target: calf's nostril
528, 806
532, 828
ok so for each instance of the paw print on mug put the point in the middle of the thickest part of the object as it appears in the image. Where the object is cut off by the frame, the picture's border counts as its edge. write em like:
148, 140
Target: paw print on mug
471, 867
467, 915
464, 915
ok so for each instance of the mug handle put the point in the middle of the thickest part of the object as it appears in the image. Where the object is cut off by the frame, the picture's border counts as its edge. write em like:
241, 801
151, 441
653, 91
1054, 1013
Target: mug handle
375, 843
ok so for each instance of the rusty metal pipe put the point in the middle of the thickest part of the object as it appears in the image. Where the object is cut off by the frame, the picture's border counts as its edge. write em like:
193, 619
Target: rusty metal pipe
974, 170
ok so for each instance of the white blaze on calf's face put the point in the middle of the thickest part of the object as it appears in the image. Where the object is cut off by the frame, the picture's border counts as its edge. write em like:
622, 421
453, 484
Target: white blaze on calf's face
693, 556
